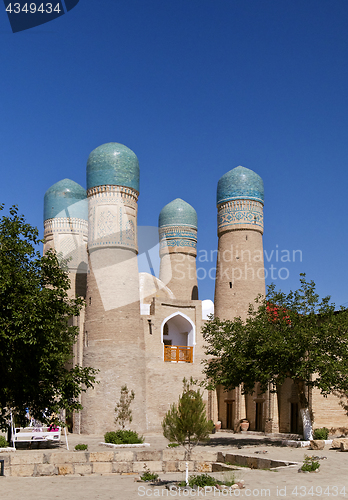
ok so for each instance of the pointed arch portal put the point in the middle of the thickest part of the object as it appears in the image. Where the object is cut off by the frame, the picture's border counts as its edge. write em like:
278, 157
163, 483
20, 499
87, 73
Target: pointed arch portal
178, 338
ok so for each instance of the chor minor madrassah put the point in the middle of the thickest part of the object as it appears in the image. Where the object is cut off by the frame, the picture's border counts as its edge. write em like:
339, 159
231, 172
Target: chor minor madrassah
144, 331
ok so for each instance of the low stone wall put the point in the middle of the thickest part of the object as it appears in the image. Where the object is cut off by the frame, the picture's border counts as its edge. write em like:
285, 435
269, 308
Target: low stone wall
30, 463
244, 461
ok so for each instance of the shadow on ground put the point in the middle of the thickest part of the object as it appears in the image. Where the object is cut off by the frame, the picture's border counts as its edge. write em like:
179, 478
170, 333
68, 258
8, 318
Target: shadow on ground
239, 443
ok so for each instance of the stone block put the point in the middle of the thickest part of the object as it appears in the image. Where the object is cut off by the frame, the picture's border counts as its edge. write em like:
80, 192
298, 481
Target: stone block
22, 470
144, 456
67, 457
46, 470
252, 462
171, 454
264, 463
153, 466
122, 467
182, 466
230, 458
83, 469
204, 455
317, 444
203, 466
124, 456
220, 457
336, 443
63, 470
101, 456
27, 458
344, 446
102, 468
170, 466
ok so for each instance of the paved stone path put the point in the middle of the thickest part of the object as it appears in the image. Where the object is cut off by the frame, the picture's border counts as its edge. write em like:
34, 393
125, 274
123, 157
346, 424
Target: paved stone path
331, 481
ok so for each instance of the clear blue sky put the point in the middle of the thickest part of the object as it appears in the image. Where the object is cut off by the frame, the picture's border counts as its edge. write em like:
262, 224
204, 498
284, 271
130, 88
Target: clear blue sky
194, 88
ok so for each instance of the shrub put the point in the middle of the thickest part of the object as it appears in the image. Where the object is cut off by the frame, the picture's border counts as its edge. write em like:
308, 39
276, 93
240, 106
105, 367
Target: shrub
202, 480
211, 426
173, 445
206, 480
148, 476
309, 464
123, 437
122, 409
3, 442
321, 433
186, 423
81, 447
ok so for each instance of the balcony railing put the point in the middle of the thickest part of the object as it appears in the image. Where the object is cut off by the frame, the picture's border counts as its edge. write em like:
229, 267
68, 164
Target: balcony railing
176, 353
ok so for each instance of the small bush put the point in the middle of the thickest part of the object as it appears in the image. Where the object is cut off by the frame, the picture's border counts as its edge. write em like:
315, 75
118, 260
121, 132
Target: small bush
81, 447
206, 480
123, 437
3, 442
321, 433
202, 480
173, 445
309, 464
149, 476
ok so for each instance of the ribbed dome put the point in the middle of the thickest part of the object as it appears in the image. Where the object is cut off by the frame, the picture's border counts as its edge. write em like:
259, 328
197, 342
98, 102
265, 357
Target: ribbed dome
240, 183
113, 164
178, 213
66, 198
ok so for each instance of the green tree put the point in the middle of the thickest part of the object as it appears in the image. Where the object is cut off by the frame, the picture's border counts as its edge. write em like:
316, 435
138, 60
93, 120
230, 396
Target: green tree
292, 335
122, 409
36, 338
186, 422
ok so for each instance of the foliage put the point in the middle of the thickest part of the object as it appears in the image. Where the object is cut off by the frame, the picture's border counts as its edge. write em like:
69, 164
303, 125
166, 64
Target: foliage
122, 409
3, 442
289, 335
186, 423
36, 338
81, 447
173, 445
211, 426
147, 475
203, 480
310, 464
123, 437
322, 433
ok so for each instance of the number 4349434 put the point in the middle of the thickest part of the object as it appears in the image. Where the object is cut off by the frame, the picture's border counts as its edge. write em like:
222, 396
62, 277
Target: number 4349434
32, 8
318, 491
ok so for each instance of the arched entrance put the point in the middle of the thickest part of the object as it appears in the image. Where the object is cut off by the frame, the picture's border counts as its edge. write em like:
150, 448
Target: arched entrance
178, 338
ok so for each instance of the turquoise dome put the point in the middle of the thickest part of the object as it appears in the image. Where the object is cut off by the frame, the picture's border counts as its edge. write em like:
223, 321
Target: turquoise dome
66, 198
113, 164
178, 213
240, 183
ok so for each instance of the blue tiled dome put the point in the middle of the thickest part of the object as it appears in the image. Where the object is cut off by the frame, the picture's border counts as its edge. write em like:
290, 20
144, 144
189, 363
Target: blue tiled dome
178, 213
240, 183
66, 198
113, 164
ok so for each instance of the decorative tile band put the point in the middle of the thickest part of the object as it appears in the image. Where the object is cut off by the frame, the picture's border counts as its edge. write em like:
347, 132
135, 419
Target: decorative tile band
240, 214
117, 191
178, 239
65, 225
177, 232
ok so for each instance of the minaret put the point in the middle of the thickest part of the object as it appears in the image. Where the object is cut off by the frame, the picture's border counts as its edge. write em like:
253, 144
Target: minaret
114, 337
240, 268
178, 241
66, 231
